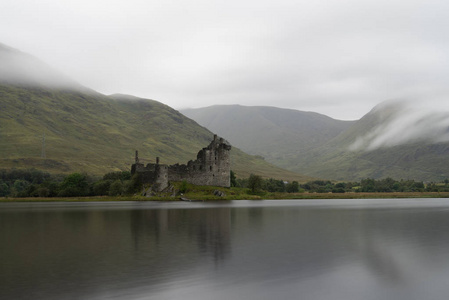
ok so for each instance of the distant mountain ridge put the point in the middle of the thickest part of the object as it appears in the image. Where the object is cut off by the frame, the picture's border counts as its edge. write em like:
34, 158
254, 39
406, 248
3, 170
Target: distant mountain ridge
389, 141
354, 155
86, 131
271, 132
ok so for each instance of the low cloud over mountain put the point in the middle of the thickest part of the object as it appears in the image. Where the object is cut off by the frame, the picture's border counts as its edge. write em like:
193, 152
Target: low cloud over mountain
404, 122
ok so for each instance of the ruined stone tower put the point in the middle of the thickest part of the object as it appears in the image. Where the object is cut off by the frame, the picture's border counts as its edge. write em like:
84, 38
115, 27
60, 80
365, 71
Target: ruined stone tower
211, 167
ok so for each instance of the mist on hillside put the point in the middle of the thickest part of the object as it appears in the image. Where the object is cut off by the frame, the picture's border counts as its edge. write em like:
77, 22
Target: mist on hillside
405, 122
18, 68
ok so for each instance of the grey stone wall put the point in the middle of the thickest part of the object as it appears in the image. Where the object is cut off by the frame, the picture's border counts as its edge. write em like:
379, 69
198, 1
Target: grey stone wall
212, 167
154, 174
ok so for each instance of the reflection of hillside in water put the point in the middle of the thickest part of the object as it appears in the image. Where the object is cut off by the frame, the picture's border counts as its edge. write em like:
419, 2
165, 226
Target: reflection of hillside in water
397, 245
96, 252
50, 253
389, 245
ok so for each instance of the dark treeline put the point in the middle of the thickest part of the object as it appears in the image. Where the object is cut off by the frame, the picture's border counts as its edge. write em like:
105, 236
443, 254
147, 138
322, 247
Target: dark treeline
257, 184
35, 183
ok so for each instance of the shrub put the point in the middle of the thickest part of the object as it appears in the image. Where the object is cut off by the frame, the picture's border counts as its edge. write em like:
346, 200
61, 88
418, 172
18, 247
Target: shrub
183, 187
116, 188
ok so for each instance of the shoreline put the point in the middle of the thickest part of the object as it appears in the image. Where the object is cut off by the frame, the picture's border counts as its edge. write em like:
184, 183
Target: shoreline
268, 196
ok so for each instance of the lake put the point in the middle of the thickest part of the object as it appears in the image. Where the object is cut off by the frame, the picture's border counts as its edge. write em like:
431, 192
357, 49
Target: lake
271, 249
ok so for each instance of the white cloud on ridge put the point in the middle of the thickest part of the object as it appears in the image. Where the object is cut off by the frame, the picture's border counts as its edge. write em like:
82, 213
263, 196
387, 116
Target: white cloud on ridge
412, 122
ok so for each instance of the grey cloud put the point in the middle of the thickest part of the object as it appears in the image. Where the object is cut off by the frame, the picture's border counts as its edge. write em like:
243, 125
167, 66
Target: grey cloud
18, 68
335, 57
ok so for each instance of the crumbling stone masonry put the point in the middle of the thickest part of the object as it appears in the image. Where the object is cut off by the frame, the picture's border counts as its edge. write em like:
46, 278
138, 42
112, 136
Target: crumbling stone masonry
154, 174
212, 167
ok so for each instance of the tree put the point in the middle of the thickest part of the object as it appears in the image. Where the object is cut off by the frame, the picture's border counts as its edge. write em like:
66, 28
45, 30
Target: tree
242, 182
42, 192
233, 179
120, 175
385, 185
274, 185
101, 187
367, 185
292, 187
75, 184
19, 188
183, 187
116, 188
255, 183
4, 189
135, 184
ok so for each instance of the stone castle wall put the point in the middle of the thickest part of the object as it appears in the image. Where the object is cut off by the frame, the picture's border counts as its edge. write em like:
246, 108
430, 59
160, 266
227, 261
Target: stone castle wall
212, 167
154, 174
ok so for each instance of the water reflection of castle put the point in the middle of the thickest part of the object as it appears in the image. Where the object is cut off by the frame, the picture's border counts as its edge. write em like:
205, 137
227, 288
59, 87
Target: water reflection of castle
208, 231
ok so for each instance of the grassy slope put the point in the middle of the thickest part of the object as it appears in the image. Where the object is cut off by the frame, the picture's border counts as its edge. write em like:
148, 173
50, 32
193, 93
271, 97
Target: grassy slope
94, 133
419, 161
315, 145
274, 133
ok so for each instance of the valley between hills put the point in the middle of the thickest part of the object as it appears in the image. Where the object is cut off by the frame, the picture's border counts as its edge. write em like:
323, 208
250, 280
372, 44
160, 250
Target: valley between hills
49, 122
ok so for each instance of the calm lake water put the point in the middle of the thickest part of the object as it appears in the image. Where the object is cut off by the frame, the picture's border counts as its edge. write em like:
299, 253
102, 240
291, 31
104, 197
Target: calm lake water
280, 249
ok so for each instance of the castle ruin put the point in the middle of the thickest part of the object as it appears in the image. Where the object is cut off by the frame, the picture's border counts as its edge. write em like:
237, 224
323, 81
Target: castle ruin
211, 167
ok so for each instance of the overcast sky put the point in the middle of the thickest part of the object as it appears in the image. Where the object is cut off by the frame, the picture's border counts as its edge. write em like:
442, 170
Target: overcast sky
339, 58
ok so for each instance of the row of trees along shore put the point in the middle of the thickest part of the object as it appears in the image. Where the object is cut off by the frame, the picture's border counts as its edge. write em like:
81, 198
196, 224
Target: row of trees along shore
257, 184
36, 183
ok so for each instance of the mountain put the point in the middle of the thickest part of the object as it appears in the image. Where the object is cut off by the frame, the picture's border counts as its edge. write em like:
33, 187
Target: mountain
392, 140
274, 133
78, 129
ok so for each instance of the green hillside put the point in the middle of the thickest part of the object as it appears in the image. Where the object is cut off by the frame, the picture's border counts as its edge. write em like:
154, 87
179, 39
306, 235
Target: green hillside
94, 133
273, 133
86, 131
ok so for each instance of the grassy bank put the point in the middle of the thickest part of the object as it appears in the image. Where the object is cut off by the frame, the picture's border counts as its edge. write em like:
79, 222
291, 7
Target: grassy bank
236, 194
